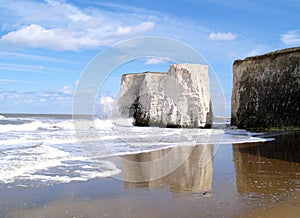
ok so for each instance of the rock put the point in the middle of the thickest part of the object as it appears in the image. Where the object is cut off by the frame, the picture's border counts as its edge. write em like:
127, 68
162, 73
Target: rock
141, 97
179, 98
266, 91
189, 105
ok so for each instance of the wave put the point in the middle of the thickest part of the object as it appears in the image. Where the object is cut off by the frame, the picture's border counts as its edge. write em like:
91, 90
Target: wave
2, 117
31, 126
12, 144
19, 163
26, 162
53, 134
49, 151
36, 125
43, 164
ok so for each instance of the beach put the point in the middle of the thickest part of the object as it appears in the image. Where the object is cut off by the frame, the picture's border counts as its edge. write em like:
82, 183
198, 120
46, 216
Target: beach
110, 197
144, 109
255, 178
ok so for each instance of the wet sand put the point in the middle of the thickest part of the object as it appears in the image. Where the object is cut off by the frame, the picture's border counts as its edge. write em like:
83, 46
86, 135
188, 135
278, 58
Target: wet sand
287, 208
242, 180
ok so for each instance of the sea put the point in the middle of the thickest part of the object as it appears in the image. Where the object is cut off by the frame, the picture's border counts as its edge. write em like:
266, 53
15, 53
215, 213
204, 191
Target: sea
46, 150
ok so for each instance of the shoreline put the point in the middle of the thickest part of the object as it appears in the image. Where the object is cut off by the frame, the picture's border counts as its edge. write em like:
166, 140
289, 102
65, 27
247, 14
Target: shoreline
240, 181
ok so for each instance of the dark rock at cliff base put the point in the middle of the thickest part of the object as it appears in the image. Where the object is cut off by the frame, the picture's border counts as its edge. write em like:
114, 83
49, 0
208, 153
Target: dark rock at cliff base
266, 91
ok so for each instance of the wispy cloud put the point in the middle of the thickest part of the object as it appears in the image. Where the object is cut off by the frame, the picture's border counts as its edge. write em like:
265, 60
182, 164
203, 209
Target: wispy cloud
31, 68
291, 37
142, 27
222, 36
11, 81
65, 93
156, 60
59, 26
259, 50
26, 56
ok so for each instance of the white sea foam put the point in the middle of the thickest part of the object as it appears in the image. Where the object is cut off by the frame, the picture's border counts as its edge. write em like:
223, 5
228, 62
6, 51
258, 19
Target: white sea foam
32, 126
51, 151
83, 176
2, 117
17, 162
57, 125
33, 162
18, 143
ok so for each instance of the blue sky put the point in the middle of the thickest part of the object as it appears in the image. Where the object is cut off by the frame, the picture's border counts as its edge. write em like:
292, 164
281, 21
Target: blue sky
46, 45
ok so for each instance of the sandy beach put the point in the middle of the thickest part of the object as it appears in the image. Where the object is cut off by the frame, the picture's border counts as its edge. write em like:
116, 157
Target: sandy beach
149, 109
253, 179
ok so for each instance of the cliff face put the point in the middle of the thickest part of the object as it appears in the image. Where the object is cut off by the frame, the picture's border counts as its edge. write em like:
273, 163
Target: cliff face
141, 97
179, 98
266, 90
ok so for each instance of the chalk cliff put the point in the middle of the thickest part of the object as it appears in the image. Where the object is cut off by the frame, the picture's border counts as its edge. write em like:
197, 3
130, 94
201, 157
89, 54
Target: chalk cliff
266, 90
179, 98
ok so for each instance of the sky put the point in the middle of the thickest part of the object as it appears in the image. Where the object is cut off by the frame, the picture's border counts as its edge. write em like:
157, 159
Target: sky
45, 46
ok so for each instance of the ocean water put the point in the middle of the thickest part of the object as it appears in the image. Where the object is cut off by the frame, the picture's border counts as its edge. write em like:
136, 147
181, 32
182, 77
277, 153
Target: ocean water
45, 150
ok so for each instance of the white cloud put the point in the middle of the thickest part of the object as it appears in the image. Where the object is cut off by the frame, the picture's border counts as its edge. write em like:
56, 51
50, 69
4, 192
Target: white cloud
11, 81
156, 60
259, 50
33, 57
292, 37
106, 104
67, 89
254, 52
13, 96
59, 26
31, 68
73, 13
222, 36
65, 93
128, 30
35, 36
106, 100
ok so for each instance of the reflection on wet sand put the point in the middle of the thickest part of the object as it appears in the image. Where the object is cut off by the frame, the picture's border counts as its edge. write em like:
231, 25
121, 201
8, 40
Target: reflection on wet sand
194, 174
269, 168
266, 175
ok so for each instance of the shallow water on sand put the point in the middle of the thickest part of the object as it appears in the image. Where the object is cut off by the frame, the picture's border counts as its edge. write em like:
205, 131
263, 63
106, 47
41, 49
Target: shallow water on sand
239, 180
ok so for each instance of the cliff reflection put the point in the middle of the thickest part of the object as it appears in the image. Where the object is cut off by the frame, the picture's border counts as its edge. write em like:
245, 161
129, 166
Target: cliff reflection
268, 168
194, 174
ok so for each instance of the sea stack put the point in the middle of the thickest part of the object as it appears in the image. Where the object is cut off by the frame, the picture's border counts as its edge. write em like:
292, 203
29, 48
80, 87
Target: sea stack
266, 91
179, 98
